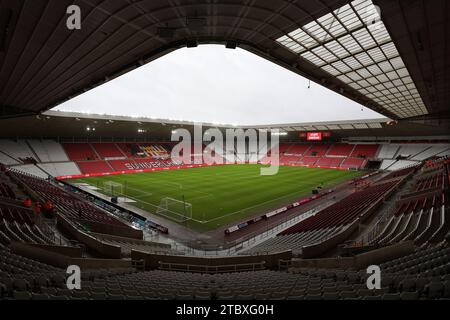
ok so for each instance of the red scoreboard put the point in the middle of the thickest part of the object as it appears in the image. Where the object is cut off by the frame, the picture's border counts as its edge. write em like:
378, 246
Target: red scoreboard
315, 136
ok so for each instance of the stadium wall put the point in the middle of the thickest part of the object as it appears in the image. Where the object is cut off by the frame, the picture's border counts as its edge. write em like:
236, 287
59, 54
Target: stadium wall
152, 261
359, 261
114, 230
104, 249
49, 256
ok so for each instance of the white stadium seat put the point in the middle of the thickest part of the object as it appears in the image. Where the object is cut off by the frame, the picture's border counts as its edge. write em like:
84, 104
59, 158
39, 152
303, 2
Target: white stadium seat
48, 150
60, 169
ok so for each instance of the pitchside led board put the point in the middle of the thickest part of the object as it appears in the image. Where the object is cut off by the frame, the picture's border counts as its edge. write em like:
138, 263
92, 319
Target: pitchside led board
315, 136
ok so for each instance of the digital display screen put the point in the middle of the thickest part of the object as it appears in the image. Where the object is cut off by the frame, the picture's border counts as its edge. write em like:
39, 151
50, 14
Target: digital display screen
314, 136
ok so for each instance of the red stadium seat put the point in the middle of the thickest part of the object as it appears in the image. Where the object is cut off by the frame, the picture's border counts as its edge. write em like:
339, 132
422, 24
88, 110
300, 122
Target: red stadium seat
89, 167
365, 150
108, 150
342, 150
79, 151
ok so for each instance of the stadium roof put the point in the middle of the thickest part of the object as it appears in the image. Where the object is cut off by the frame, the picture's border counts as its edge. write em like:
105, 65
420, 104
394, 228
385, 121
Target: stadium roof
80, 126
398, 66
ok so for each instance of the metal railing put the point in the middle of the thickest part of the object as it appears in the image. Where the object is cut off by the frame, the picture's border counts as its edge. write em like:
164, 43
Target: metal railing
169, 266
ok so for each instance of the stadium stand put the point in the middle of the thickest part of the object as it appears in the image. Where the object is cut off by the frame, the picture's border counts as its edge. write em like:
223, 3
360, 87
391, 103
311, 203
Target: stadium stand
386, 164
365, 151
126, 245
6, 191
317, 150
422, 274
388, 151
120, 165
32, 169
289, 159
129, 149
48, 150
5, 159
400, 164
88, 167
329, 162
297, 283
430, 151
107, 150
411, 150
131, 156
420, 213
328, 222
284, 147
297, 149
309, 161
66, 203
340, 150
19, 150
343, 212
294, 241
353, 163
79, 151
57, 169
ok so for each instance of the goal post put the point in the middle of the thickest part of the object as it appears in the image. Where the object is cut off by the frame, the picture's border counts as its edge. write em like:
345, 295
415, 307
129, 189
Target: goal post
112, 188
174, 209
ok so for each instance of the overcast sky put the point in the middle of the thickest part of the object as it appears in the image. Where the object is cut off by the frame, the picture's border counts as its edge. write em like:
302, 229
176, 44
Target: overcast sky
214, 84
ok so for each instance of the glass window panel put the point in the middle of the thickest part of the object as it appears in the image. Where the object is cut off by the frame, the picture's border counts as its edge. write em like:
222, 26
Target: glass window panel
376, 54
350, 44
363, 58
364, 73
385, 66
354, 76
380, 33
382, 78
397, 63
364, 38
364, 83
341, 66
374, 69
352, 62
344, 78
372, 80
312, 57
355, 86
331, 70
389, 50
402, 72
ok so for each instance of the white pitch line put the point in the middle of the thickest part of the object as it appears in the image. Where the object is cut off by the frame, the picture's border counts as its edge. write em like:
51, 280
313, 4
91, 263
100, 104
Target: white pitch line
242, 210
207, 195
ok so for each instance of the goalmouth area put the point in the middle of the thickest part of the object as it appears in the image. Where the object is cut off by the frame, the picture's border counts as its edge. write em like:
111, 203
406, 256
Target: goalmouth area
208, 198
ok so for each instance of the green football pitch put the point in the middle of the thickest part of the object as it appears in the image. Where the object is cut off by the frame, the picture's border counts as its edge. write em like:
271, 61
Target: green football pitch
207, 198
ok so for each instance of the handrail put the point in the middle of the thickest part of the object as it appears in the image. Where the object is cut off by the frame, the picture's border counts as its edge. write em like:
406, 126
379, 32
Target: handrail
170, 266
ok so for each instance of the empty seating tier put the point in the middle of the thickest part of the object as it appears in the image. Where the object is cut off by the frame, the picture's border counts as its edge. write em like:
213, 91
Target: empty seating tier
344, 211
353, 163
365, 151
65, 202
341, 150
108, 150
317, 150
79, 151
88, 167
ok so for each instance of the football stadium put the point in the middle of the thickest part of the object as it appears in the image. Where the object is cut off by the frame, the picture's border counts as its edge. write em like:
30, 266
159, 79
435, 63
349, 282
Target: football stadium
105, 206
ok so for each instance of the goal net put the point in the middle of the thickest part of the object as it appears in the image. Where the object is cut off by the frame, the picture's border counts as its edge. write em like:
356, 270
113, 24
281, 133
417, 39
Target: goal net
111, 188
174, 209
